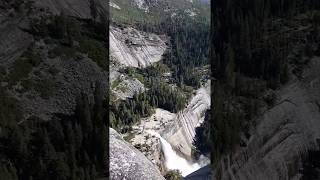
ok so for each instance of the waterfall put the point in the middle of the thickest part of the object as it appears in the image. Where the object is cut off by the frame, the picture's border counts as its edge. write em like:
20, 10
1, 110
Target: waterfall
173, 160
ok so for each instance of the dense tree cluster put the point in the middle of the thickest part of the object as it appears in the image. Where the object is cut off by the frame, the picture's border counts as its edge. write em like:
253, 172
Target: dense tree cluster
189, 40
252, 40
249, 38
124, 113
71, 35
310, 165
189, 49
66, 147
166, 96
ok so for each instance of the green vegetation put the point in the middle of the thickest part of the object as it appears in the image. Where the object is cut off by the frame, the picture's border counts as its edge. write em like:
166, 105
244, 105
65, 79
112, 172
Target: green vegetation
159, 11
189, 38
310, 165
96, 51
23, 66
9, 111
124, 113
45, 87
115, 83
36, 143
128, 13
190, 49
173, 175
166, 96
129, 136
253, 48
3, 73
62, 51
71, 35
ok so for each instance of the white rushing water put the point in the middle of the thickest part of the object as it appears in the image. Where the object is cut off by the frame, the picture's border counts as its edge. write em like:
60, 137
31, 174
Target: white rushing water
173, 160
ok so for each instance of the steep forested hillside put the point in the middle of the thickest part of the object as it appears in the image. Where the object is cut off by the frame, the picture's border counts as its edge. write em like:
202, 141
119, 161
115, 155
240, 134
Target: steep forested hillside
185, 61
53, 82
259, 47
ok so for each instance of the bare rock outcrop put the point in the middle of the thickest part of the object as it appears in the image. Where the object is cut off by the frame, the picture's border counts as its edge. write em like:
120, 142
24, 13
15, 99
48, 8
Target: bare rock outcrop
84, 9
181, 131
134, 48
128, 87
148, 144
178, 129
283, 135
126, 162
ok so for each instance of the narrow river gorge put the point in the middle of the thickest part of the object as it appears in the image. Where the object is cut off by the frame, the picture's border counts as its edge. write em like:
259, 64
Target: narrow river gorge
167, 138
164, 138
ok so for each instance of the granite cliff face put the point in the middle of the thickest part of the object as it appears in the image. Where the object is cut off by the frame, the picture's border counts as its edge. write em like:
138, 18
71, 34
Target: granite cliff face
148, 144
181, 131
284, 134
178, 129
126, 162
128, 87
134, 48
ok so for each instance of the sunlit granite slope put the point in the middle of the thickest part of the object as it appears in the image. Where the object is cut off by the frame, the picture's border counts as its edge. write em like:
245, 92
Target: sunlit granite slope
134, 48
126, 162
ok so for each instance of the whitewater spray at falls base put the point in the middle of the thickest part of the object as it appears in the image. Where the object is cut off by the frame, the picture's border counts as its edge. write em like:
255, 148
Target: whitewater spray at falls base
173, 160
